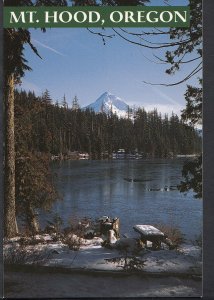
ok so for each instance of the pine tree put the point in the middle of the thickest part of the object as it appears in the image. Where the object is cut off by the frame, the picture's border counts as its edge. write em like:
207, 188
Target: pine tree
46, 98
64, 102
15, 66
75, 103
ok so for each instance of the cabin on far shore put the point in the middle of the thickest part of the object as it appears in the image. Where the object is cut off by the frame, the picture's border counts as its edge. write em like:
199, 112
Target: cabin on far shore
71, 155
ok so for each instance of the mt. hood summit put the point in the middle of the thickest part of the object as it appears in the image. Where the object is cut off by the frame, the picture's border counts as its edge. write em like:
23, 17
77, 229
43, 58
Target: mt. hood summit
107, 103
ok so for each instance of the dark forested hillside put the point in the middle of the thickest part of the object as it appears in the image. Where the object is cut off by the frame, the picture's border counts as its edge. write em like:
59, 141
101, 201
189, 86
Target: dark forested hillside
42, 126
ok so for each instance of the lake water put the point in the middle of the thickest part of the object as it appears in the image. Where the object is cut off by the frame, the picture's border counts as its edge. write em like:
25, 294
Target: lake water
97, 188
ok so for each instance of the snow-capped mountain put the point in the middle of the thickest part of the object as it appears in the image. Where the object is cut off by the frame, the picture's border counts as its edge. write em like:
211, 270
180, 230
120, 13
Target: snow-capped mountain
108, 103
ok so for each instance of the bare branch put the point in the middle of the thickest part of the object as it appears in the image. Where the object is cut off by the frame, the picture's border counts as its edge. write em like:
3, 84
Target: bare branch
162, 43
147, 46
191, 60
101, 34
155, 62
194, 72
179, 61
144, 32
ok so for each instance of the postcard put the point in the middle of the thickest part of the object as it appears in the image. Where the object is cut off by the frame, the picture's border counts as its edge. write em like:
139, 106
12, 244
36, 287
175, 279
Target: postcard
102, 148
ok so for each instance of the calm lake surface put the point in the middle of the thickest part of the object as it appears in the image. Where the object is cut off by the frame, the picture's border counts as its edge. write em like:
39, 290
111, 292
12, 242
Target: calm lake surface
97, 188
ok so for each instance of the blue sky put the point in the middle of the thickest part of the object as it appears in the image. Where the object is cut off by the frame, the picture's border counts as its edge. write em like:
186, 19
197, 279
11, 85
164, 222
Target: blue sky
76, 62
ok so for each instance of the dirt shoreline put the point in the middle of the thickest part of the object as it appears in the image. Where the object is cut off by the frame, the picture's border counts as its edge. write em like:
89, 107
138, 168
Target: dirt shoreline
24, 283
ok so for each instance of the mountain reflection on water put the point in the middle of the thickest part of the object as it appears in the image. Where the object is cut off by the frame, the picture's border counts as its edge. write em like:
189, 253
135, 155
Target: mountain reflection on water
136, 191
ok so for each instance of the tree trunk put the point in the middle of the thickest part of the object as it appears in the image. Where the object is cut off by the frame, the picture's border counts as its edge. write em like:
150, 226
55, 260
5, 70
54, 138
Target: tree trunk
10, 225
32, 220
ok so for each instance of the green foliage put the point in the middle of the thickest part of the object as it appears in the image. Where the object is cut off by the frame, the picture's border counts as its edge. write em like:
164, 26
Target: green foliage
193, 111
188, 49
34, 186
128, 263
75, 103
15, 40
186, 41
34, 182
14, 61
64, 102
46, 98
192, 173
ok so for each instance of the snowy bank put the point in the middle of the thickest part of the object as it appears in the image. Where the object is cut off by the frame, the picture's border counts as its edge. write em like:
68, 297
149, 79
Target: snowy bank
91, 256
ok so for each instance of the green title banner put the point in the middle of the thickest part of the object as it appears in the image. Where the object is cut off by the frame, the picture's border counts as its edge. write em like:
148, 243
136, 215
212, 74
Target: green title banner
96, 16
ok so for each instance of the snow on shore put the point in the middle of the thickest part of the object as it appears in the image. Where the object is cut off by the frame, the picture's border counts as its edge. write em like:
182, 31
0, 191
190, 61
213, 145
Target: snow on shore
92, 256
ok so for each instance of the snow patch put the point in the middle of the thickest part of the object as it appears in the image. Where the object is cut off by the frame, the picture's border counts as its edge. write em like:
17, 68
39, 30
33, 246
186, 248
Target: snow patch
109, 103
92, 256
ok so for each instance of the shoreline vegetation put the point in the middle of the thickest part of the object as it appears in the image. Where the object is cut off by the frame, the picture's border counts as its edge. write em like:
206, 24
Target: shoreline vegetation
78, 261
86, 245
75, 155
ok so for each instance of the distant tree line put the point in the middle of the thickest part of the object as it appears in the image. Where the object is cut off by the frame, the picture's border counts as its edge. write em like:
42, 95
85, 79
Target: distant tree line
46, 127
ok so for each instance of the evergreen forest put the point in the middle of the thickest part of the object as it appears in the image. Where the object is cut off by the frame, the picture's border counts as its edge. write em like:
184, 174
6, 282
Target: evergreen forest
42, 126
